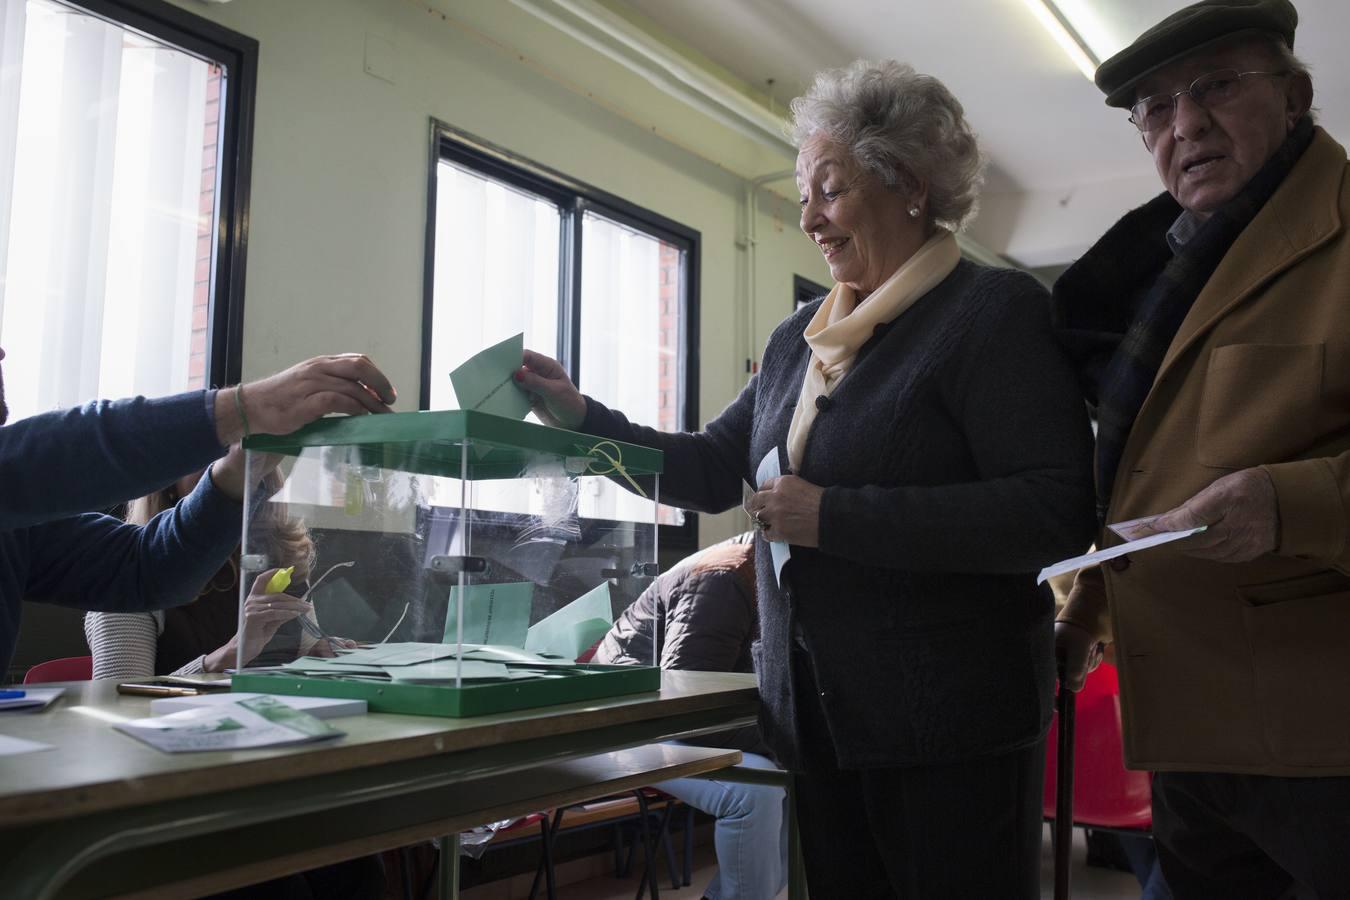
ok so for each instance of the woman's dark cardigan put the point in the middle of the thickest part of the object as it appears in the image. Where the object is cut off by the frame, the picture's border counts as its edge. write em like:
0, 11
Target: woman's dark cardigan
956, 462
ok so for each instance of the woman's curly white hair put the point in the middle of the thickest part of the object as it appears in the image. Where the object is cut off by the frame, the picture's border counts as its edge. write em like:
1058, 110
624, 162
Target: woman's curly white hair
904, 127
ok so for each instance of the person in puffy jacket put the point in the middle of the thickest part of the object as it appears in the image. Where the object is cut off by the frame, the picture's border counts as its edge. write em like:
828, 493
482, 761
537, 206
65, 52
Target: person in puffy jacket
701, 615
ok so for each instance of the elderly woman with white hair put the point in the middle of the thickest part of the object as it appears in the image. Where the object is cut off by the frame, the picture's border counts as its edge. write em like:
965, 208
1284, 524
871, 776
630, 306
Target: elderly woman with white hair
938, 453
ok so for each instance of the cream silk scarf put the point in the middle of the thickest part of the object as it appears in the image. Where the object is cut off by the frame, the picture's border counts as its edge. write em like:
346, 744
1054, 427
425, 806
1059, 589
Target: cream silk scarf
840, 327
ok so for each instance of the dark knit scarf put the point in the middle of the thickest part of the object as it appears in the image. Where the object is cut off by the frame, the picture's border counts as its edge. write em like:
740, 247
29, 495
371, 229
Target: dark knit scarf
1117, 309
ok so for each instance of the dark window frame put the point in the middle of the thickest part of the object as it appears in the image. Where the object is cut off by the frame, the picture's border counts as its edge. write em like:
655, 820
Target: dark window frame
238, 55
804, 290
574, 199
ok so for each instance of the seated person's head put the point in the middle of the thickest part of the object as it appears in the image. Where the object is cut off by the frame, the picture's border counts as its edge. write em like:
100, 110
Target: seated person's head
702, 613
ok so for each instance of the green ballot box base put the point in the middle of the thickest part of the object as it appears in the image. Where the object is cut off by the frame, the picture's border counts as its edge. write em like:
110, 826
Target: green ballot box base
594, 683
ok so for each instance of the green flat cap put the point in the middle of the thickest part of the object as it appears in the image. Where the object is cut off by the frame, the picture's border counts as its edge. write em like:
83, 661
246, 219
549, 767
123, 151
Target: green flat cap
1183, 32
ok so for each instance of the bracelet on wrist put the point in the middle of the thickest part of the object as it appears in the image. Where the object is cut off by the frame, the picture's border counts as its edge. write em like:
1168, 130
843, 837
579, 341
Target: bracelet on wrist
239, 405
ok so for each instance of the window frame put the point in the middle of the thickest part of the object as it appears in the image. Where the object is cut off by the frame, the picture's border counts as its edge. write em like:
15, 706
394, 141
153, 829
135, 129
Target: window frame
574, 199
805, 291
238, 54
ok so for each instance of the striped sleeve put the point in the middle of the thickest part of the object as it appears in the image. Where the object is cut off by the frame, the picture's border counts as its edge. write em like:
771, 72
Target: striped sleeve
123, 644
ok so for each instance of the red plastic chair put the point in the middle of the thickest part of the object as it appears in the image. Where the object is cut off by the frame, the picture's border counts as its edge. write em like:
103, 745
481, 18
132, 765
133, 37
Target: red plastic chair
72, 668
1106, 795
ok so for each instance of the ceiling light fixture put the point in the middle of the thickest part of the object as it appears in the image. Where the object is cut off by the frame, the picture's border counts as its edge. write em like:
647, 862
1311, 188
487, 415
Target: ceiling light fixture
1068, 38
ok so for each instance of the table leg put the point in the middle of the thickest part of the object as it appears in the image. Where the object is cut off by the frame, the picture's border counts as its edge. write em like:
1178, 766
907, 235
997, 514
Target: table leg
449, 868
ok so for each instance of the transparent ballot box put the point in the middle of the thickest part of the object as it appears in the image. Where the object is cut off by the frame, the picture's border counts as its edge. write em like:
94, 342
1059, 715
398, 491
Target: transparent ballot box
442, 563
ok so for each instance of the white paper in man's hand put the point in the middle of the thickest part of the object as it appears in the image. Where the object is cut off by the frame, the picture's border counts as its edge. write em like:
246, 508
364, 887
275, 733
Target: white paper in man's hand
1135, 529
1100, 556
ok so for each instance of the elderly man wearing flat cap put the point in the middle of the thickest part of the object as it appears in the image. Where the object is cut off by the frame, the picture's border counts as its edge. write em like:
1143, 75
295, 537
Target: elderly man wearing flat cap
1211, 328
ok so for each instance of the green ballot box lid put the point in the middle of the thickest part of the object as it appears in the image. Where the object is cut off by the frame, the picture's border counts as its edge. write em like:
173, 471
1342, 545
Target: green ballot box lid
434, 443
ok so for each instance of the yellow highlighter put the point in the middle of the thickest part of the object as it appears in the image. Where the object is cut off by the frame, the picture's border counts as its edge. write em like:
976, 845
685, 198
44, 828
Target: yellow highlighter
280, 581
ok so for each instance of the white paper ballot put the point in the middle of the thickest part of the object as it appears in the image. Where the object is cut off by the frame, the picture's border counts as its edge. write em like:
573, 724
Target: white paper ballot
1091, 559
768, 468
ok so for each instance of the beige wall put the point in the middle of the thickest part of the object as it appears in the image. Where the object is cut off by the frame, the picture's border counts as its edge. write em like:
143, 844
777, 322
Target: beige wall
335, 256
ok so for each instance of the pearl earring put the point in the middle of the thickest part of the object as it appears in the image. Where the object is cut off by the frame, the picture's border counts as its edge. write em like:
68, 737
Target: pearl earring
914, 212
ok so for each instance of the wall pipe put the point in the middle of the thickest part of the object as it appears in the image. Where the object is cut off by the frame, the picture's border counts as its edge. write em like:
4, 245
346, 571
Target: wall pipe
662, 67
748, 242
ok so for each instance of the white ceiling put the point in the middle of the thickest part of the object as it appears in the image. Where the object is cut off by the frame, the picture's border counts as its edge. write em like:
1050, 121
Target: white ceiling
1043, 125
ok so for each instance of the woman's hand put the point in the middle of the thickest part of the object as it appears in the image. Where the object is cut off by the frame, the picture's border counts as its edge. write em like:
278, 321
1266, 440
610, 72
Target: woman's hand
263, 614
555, 400
787, 509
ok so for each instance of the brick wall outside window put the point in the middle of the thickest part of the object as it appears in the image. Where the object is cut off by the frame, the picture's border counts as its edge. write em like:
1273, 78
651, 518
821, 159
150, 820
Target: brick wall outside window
201, 288
669, 383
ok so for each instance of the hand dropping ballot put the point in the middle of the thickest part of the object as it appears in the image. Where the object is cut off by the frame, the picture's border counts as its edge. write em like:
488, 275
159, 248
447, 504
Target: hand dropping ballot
486, 382
1138, 537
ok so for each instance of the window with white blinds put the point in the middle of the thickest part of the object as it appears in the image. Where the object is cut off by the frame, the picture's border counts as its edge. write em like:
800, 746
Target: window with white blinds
602, 285
111, 156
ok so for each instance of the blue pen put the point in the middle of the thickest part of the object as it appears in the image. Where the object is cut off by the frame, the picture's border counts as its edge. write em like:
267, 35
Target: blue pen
11, 695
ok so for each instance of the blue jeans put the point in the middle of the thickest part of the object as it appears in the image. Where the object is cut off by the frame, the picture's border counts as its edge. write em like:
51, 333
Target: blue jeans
750, 833
1143, 857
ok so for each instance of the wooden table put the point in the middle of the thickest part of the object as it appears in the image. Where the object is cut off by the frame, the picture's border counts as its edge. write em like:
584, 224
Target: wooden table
105, 815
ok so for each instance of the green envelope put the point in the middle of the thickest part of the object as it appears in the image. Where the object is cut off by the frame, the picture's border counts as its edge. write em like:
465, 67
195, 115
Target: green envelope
405, 653
486, 381
571, 630
441, 671
493, 613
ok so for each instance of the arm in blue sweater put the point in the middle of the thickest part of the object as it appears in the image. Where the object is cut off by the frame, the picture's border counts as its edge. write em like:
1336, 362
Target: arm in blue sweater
97, 562
61, 463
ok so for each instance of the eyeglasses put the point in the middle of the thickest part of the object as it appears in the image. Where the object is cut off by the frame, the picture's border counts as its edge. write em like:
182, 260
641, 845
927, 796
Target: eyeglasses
1208, 91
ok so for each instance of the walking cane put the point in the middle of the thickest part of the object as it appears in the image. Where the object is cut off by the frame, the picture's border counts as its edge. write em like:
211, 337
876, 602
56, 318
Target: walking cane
1063, 832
